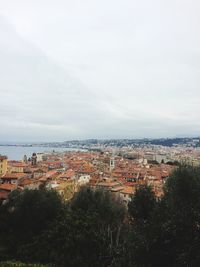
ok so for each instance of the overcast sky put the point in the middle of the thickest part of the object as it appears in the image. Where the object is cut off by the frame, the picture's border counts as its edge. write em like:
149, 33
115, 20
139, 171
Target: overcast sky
99, 69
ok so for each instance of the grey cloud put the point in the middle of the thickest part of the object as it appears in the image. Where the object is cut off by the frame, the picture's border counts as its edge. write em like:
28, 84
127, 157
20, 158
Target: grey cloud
81, 69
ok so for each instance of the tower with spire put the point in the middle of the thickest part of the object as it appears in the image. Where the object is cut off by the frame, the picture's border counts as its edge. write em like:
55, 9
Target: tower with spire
112, 161
34, 159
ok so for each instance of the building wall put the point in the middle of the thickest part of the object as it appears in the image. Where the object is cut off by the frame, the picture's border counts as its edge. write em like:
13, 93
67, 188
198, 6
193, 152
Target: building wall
84, 179
15, 169
40, 156
3, 165
8, 181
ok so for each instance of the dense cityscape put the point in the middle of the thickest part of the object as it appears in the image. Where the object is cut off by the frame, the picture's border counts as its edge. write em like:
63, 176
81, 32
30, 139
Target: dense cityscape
119, 199
116, 165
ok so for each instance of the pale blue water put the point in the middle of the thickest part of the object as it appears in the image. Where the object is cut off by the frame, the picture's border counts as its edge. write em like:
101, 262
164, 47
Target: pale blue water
18, 152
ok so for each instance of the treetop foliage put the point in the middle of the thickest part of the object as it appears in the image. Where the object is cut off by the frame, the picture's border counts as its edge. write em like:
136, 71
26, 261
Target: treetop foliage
95, 229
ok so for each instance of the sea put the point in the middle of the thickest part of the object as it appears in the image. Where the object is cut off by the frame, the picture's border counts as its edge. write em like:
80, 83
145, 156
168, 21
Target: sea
18, 152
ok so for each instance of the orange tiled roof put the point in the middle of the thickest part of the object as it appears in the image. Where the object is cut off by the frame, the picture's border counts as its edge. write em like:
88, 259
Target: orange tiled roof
51, 173
43, 179
13, 163
131, 184
68, 174
3, 157
108, 184
26, 182
14, 175
4, 195
128, 190
7, 187
117, 189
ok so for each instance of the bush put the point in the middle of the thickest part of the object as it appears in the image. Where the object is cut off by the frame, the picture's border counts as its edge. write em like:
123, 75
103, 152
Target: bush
20, 264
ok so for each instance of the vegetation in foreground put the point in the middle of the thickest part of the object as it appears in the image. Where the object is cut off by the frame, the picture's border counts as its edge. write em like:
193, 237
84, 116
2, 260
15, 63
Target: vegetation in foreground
96, 230
19, 264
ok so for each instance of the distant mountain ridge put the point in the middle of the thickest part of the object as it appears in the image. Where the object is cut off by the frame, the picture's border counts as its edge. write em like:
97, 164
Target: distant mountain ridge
169, 142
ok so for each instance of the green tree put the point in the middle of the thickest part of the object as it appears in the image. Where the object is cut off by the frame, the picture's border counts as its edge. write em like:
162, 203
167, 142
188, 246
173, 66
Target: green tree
20, 264
142, 204
27, 215
182, 201
88, 232
141, 209
166, 232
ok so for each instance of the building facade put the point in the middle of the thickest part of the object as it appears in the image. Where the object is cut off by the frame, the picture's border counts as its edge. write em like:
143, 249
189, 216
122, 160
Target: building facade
3, 164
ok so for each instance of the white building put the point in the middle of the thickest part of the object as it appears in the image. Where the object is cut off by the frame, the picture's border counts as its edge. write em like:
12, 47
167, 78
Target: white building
40, 156
83, 179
